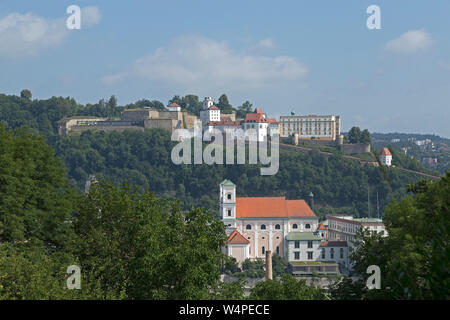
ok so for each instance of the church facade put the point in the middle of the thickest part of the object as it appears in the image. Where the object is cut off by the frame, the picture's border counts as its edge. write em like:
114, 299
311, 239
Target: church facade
258, 224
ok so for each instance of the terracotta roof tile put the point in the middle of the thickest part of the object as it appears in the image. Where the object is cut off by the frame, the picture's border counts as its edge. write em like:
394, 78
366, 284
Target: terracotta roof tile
386, 152
333, 244
254, 207
236, 238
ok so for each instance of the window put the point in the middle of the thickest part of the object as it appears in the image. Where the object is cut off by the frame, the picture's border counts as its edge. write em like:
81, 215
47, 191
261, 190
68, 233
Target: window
229, 212
263, 227
297, 244
310, 255
277, 227
323, 253
332, 253
248, 227
297, 255
263, 249
278, 250
294, 226
310, 243
308, 226
342, 253
229, 196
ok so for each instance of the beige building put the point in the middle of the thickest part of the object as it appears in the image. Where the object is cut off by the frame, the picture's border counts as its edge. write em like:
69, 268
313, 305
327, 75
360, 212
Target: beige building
311, 127
134, 119
345, 228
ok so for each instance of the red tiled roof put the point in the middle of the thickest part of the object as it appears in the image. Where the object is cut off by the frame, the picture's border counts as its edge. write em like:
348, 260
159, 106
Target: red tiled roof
223, 123
254, 117
322, 227
386, 152
225, 118
174, 105
333, 244
255, 207
213, 108
236, 238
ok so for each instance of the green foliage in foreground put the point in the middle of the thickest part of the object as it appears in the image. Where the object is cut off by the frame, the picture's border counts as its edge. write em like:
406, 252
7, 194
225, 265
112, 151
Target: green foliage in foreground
414, 257
287, 288
147, 247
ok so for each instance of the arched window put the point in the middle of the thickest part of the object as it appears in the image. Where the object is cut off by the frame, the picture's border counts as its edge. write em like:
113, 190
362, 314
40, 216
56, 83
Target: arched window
263, 249
248, 227
308, 226
263, 227
294, 226
277, 227
229, 196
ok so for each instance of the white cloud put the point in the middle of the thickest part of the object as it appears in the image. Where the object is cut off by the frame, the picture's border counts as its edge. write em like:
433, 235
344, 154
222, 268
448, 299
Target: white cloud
28, 34
267, 43
194, 63
90, 16
410, 42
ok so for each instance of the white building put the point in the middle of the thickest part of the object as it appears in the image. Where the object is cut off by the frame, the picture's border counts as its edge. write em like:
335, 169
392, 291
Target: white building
174, 107
209, 111
255, 126
386, 157
311, 127
345, 228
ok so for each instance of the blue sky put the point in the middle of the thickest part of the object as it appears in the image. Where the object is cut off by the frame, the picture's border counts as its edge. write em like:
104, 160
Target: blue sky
314, 57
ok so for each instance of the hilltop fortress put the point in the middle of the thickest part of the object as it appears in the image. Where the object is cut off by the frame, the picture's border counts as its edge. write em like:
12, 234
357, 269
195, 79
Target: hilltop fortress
136, 119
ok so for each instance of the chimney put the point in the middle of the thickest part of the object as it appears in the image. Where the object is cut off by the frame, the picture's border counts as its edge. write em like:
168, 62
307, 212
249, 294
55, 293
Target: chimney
269, 265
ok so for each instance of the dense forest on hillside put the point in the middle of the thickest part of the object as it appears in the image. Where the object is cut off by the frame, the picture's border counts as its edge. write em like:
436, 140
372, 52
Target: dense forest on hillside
143, 159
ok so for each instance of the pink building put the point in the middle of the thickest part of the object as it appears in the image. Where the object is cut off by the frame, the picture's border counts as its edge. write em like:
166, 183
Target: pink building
264, 222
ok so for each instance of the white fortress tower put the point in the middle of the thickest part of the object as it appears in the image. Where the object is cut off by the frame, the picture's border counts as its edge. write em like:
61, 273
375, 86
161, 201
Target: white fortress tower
209, 111
386, 157
208, 102
228, 203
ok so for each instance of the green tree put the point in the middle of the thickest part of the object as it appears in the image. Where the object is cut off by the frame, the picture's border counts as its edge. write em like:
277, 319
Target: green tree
287, 288
365, 137
25, 94
147, 247
224, 105
279, 265
413, 258
35, 198
245, 108
354, 135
